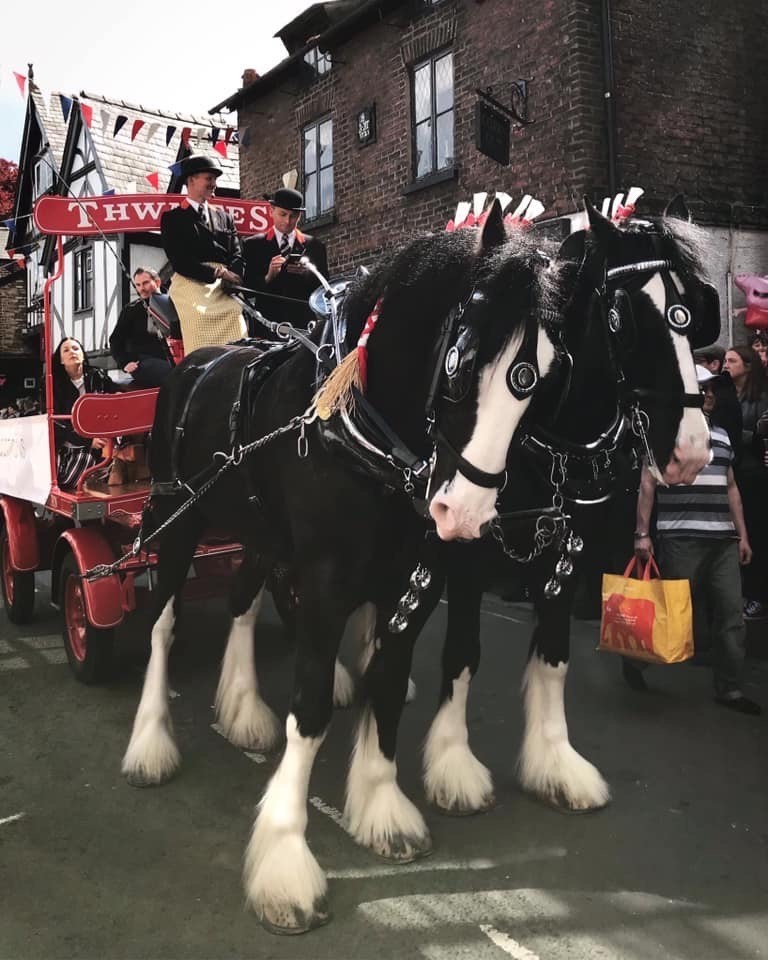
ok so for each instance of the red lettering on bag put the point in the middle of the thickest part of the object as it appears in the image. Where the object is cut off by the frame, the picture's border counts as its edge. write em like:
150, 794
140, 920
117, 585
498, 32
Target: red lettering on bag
627, 623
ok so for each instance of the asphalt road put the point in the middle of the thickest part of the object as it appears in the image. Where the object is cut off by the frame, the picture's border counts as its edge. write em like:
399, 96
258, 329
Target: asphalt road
675, 867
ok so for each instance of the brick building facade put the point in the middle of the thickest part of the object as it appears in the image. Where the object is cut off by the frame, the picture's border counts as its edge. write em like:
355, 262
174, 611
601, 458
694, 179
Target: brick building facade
686, 112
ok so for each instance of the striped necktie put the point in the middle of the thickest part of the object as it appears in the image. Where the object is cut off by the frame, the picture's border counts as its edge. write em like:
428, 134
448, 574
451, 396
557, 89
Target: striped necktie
202, 212
285, 246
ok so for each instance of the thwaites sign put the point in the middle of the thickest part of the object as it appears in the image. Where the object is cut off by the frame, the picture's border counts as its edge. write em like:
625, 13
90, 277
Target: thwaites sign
132, 213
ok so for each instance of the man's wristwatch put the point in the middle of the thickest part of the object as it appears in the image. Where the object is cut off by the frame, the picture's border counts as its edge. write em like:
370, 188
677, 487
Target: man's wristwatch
639, 535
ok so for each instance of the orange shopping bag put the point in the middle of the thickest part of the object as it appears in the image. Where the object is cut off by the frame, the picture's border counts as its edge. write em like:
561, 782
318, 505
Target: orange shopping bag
649, 619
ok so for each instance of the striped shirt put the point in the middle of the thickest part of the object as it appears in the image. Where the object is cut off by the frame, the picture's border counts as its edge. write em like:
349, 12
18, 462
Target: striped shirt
700, 509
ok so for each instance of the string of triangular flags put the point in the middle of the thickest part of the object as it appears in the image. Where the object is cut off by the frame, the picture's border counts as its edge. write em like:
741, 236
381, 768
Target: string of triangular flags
220, 137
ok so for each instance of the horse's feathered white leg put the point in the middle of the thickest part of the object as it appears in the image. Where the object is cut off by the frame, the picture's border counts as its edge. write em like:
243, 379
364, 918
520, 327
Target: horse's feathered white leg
283, 882
548, 764
377, 813
454, 779
152, 755
244, 717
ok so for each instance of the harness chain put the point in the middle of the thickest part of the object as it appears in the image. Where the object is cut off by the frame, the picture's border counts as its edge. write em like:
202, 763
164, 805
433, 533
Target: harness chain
232, 459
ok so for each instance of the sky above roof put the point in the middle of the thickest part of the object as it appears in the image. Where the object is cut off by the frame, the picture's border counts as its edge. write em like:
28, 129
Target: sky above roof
162, 56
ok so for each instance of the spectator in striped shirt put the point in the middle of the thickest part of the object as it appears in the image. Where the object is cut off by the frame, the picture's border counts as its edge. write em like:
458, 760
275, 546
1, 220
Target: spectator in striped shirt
702, 538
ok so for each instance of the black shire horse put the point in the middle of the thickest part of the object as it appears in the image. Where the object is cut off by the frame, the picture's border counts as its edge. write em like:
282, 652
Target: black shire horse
636, 307
351, 536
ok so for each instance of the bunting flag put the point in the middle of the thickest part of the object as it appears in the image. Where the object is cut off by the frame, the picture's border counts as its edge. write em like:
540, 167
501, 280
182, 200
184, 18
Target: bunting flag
186, 133
202, 134
119, 124
153, 128
10, 224
214, 134
137, 125
175, 168
66, 106
169, 132
244, 136
106, 120
154, 179
87, 113
228, 134
109, 193
221, 148
22, 82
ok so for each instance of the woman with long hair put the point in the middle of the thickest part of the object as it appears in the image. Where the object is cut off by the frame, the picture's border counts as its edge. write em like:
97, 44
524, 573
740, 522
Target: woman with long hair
749, 378
73, 376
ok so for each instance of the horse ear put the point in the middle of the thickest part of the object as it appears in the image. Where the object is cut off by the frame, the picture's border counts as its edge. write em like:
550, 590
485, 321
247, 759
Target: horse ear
601, 226
493, 234
572, 248
677, 208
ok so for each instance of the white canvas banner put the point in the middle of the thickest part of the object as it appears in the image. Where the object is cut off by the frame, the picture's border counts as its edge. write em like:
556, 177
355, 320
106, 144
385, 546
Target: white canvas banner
25, 466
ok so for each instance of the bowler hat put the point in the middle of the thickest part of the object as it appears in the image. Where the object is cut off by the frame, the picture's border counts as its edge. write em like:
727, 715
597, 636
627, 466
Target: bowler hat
199, 163
287, 199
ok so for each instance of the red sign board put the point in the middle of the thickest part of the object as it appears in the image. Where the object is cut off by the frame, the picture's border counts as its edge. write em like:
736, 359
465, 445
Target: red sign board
132, 213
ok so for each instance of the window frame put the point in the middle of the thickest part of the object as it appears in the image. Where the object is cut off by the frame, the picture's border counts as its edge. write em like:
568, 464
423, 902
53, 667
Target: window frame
82, 294
321, 64
434, 170
319, 212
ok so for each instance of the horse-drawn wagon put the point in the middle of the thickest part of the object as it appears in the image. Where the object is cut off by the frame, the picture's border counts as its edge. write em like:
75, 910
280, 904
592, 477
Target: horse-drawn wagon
70, 531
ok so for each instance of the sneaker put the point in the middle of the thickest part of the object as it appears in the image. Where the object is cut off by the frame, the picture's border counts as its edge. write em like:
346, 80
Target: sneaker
755, 610
740, 704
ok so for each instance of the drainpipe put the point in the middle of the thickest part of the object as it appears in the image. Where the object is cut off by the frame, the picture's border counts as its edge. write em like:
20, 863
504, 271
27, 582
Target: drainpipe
608, 91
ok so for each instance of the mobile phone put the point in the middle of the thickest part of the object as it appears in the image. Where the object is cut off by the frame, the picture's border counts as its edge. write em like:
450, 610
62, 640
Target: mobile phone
294, 257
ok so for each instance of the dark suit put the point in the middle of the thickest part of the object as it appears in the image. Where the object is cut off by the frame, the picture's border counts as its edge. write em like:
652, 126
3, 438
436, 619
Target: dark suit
189, 244
132, 340
258, 251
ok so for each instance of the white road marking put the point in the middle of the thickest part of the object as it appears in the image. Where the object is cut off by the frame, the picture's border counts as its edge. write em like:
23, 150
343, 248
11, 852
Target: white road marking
11, 819
54, 656
15, 663
328, 810
436, 866
507, 944
49, 642
255, 757
5, 647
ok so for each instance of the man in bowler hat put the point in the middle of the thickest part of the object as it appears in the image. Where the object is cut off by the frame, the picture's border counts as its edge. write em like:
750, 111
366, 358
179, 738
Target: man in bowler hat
204, 249
273, 267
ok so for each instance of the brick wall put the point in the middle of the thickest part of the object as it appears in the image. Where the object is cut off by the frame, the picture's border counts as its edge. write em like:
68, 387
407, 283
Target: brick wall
665, 112
13, 304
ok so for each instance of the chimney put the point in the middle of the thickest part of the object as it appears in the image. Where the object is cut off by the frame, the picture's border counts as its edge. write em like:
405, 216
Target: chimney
249, 76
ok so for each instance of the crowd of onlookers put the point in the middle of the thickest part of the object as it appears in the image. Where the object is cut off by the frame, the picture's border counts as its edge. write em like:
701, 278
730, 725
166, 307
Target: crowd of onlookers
742, 410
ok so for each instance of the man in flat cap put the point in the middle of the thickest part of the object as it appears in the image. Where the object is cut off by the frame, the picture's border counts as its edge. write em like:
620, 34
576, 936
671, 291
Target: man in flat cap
273, 262
204, 249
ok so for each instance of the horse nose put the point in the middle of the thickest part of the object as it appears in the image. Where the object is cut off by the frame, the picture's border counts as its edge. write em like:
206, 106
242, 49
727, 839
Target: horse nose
445, 519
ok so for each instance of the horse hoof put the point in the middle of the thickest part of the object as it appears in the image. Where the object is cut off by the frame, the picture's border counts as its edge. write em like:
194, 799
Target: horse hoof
464, 810
136, 778
404, 849
563, 804
289, 921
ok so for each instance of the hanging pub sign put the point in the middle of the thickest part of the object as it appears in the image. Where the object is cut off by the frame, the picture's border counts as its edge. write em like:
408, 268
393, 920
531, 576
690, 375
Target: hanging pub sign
492, 133
366, 125
130, 213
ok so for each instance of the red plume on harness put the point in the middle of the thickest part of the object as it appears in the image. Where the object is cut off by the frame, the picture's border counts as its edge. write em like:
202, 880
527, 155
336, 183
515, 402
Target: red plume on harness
621, 210
362, 344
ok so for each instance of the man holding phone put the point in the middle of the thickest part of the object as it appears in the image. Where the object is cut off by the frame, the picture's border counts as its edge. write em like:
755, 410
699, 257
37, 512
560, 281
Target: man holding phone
275, 263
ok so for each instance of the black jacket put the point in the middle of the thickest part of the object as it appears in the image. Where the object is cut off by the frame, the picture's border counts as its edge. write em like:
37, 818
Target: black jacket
131, 339
258, 251
189, 244
65, 393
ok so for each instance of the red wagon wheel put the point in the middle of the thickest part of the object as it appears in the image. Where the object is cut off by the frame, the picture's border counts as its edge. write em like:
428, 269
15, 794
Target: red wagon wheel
89, 650
18, 586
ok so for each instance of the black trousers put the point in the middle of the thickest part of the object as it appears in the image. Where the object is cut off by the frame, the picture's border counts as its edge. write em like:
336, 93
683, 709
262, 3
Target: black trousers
151, 372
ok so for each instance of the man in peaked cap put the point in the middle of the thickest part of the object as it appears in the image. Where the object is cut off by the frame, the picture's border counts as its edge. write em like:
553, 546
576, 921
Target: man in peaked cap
272, 262
203, 247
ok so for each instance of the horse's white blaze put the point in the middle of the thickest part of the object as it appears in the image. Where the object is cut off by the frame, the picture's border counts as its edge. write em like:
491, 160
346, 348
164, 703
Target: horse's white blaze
453, 777
376, 811
281, 875
460, 507
692, 445
243, 716
152, 754
548, 764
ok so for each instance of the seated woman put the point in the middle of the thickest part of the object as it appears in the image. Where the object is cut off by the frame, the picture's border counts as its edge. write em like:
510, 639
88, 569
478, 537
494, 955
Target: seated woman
72, 377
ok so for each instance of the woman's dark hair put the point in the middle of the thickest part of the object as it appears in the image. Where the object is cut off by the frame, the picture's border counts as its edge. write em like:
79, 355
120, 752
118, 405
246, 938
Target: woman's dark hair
57, 368
727, 412
755, 382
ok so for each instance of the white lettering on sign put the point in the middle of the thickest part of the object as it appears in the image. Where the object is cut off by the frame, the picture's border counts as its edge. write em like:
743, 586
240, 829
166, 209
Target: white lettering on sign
151, 210
115, 211
257, 221
82, 208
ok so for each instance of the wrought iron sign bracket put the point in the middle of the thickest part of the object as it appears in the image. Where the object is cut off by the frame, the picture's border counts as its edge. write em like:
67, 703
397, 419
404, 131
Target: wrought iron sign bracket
518, 108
